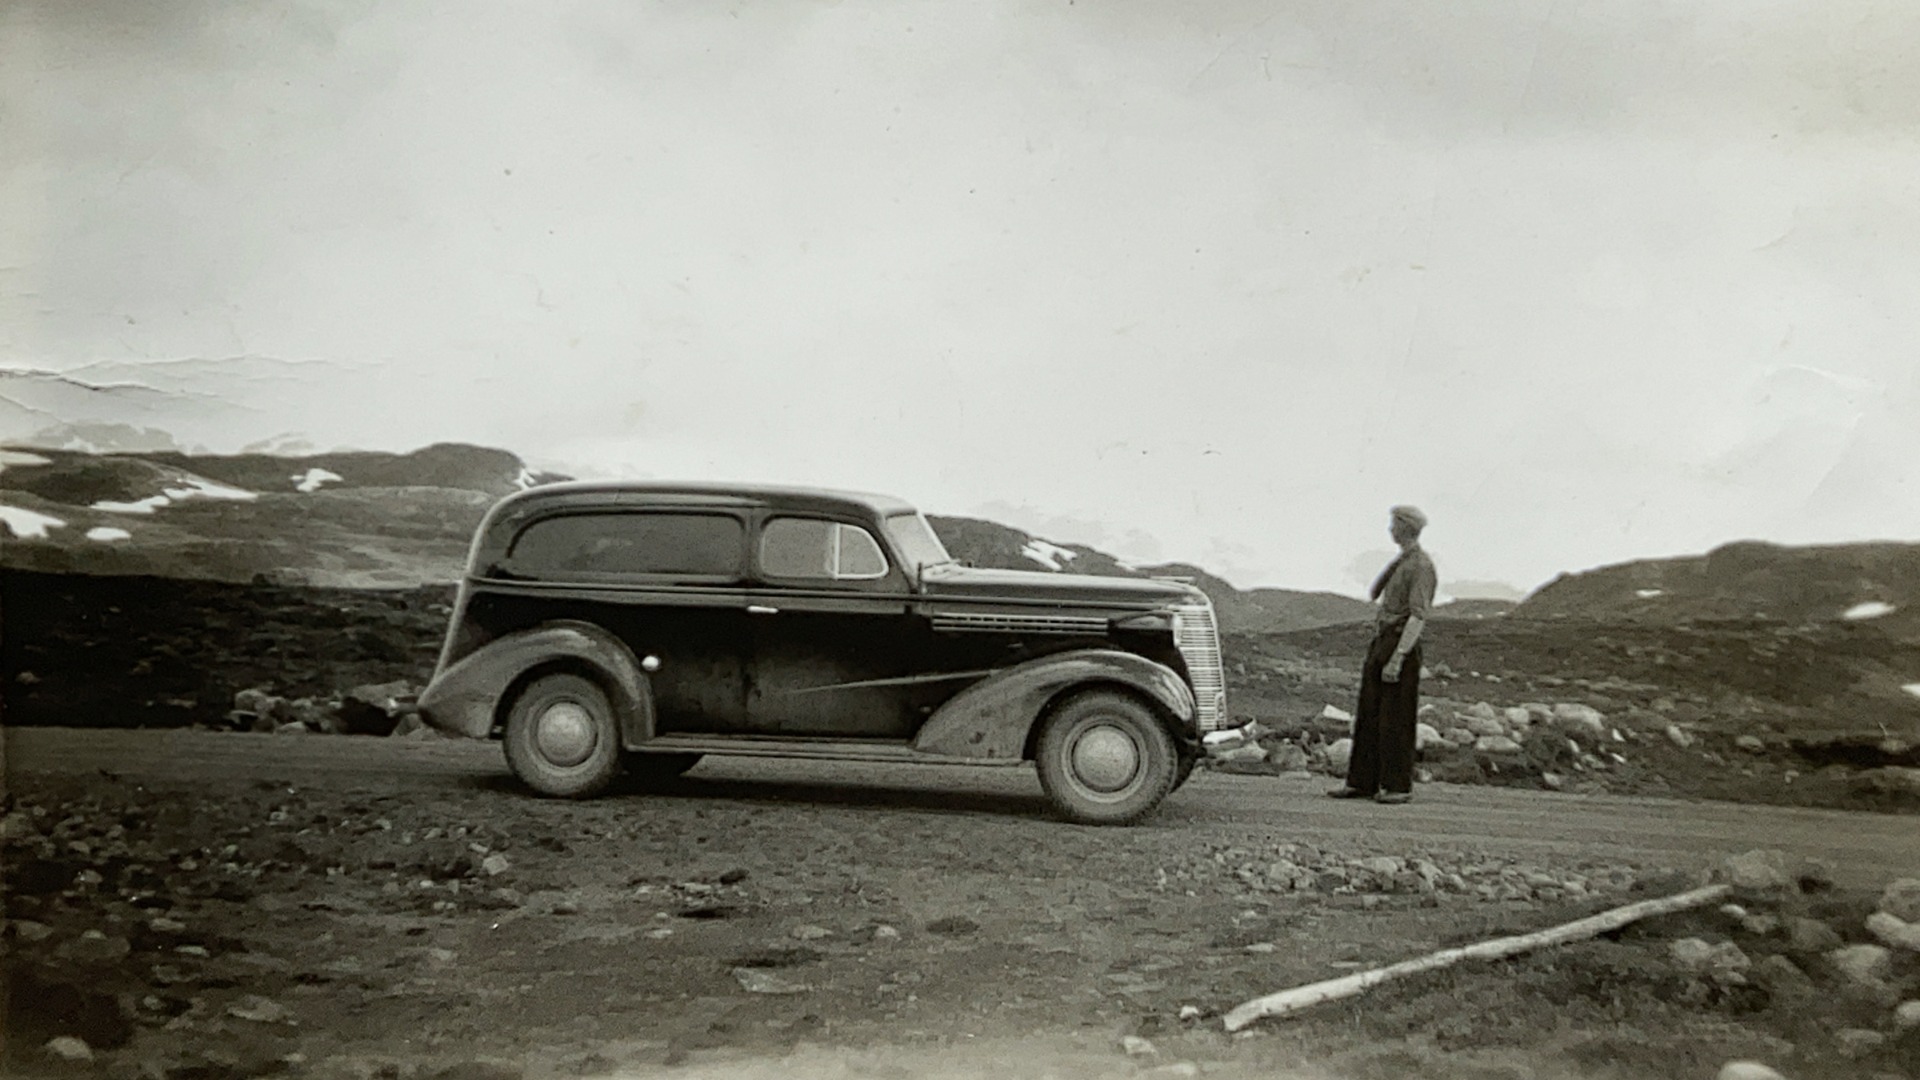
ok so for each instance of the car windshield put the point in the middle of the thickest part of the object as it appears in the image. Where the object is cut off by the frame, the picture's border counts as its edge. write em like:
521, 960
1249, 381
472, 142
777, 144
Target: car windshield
919, 546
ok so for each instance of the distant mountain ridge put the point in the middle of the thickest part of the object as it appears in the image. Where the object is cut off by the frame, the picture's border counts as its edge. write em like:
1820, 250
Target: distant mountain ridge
371, 519
1877, 581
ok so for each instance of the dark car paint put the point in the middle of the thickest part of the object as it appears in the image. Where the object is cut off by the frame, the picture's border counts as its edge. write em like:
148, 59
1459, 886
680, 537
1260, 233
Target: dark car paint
842, 659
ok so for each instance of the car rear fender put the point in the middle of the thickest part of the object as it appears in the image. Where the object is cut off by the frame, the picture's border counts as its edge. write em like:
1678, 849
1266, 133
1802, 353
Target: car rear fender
468, 696
994, 717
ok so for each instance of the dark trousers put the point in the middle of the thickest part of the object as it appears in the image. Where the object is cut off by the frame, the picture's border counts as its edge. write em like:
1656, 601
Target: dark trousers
1384, 726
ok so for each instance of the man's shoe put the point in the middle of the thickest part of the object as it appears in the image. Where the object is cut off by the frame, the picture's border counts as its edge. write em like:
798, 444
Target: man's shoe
1344, 792
1394, 798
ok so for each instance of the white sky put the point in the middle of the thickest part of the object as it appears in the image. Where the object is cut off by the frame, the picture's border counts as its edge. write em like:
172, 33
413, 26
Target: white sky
1210, 281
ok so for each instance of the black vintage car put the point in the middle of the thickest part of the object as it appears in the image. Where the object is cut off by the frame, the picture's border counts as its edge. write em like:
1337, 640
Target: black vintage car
603, 626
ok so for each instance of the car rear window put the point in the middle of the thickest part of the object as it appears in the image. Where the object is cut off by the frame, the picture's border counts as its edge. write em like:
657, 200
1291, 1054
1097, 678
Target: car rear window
692, 545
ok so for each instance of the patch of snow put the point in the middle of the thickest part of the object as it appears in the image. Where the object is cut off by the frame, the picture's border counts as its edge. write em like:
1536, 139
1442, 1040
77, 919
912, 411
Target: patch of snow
29, 524
313, 478
1046, 554
105, 534
198, 488
1912, 688
1648, 594
17, 457
1872, 609
145, 506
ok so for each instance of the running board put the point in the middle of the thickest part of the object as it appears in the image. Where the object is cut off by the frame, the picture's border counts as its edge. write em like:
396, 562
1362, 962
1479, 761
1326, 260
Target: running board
877, 750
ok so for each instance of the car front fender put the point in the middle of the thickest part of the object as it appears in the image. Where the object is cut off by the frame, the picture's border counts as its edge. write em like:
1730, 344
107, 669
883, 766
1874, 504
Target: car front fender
991, 718
465, 697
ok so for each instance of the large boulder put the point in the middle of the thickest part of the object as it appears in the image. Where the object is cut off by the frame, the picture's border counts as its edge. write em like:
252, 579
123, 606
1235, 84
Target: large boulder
1581, 721
375, 708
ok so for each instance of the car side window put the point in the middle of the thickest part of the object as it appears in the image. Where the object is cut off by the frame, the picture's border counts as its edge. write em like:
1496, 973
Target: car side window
679, 544
809, 548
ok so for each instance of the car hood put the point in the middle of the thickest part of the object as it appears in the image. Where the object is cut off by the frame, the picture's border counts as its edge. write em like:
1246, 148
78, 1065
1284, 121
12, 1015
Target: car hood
975, 583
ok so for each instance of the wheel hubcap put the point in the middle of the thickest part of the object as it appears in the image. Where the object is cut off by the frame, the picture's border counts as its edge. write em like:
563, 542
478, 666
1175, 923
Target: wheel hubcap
565, 734
1105, 759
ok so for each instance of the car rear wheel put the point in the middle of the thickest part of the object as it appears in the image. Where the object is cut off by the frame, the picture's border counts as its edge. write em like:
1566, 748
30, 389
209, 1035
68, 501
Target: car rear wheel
1105, 759
561, 738
652, 770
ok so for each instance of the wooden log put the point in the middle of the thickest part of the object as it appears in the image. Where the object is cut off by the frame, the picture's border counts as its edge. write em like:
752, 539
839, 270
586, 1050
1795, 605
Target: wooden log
1286, 1002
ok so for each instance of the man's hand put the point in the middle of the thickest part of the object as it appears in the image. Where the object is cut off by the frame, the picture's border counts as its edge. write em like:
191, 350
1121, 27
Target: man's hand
1391, 672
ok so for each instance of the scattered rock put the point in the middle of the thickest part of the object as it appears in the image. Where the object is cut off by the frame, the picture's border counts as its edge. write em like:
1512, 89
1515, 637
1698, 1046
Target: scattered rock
811, 933
68, 1048
260, 1010
1747, 1070
94, 949
1782, 976
1486, 727
1902, 900
1806, 935
1862, 964
1137, 1047
29, 931
1757, 871
1580, 718
1907, 1016
495, 864
472, 1070
1339, 754
1552, 781
1751, 744
1722, 963
1856, 1043
762, 981
1893, 782
1426, 736
953, 926
1893, 932
1760, 925
1178, 1070
1678, 737
1518, 717
1497, 746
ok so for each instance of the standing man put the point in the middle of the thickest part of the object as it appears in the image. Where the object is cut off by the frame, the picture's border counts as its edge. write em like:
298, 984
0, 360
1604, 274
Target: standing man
1384, 728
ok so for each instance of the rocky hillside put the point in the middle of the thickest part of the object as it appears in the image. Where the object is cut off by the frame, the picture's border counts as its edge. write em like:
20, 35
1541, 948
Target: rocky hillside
1877, 582
380, 520
351, 520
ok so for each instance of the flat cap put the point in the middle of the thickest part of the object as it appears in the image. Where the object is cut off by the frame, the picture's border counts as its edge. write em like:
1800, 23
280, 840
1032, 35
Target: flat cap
1411, 515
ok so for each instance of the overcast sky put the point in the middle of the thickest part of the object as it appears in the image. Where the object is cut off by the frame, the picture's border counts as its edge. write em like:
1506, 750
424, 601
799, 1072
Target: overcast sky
1209, 281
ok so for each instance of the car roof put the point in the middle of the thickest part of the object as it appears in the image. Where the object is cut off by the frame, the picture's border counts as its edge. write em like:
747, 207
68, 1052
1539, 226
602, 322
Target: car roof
776, 496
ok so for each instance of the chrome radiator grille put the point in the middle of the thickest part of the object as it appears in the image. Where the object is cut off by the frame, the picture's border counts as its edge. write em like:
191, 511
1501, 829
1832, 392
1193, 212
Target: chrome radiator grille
1198, 640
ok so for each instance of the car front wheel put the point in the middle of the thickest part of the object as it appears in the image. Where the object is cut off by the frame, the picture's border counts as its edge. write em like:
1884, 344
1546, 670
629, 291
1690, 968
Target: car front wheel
1105, 759
561, 738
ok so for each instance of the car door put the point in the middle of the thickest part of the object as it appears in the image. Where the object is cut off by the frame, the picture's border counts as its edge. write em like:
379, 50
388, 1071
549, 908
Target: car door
670, 584
835, 647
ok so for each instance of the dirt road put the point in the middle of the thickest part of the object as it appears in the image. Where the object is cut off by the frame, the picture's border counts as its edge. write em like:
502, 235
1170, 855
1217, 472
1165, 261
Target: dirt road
1864, 849
213, 907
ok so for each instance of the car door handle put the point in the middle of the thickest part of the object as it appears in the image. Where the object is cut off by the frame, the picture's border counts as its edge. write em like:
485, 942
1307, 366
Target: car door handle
762, 609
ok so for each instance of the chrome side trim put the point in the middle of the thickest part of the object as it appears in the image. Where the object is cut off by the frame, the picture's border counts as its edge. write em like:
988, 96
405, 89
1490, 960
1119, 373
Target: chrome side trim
1009, 622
